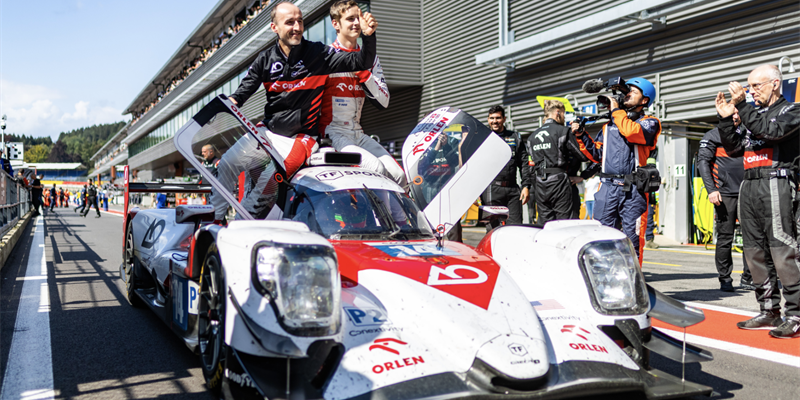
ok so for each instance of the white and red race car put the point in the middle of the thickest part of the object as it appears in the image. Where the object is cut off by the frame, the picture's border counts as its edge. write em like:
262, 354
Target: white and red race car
350, 290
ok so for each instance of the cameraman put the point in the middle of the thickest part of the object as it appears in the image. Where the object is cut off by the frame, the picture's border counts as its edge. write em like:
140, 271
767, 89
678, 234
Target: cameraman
626, 142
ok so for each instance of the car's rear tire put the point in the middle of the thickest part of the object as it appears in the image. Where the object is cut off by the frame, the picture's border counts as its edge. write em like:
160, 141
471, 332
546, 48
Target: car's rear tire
211, 320
130, 266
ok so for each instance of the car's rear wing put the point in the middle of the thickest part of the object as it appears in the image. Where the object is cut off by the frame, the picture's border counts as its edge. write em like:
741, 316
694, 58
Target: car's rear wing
152, 187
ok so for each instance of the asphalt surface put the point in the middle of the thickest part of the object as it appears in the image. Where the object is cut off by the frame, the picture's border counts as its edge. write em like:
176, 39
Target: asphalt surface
103, 348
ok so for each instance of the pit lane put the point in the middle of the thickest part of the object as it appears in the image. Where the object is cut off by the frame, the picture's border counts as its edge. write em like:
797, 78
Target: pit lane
103, 348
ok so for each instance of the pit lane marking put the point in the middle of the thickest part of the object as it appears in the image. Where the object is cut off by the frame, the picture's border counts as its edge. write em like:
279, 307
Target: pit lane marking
749, 351
719, 331
669, 265
29, 372
706, 253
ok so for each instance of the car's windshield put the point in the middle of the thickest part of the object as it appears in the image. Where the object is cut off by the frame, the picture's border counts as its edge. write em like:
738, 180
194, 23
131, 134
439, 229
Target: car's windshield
360, 214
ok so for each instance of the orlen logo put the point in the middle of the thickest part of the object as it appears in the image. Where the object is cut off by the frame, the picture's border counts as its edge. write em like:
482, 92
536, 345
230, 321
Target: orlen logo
431, 135
761, 158
387, 344
582, 333
343, 86
288, 85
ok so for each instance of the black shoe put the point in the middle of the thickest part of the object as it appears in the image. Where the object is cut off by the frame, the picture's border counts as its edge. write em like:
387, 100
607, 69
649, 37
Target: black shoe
765, 320
726, 286
788, 329
746, 285
98, 216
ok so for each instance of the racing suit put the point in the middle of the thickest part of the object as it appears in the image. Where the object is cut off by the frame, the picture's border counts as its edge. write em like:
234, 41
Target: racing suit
504, 191
550, 148
722, 173
342, 102
621, 146
768, 199
294, 86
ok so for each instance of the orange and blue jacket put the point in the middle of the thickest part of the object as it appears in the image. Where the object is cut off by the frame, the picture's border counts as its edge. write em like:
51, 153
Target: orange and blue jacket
623, 144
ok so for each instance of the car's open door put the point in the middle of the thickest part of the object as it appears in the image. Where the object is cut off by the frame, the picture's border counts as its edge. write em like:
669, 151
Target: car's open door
450, 158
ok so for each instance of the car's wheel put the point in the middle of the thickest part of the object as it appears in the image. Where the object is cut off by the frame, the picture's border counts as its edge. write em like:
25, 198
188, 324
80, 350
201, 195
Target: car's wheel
130, 264
211, 320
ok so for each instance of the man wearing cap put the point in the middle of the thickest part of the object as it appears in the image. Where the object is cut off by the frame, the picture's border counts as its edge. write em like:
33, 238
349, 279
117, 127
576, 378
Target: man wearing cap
623, 144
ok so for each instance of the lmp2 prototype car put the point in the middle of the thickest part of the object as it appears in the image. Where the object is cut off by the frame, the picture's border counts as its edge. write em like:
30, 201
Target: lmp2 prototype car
348, 290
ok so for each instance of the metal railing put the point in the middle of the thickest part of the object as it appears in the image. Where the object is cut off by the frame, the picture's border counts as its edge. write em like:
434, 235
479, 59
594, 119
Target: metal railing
14, 201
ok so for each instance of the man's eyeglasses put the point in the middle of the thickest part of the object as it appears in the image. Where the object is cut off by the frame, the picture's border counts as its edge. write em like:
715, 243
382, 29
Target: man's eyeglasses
756, 86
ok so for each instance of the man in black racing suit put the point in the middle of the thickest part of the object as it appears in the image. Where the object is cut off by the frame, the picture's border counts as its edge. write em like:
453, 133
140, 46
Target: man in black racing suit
293, 72
768, 197
722, 175
504, 191
551, 148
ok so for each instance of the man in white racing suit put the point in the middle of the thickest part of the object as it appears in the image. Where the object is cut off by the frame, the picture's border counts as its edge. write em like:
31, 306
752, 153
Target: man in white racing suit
344, 96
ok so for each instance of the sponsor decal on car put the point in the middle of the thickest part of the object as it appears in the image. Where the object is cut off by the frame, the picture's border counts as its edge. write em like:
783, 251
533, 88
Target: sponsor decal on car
365, 316
414, 250
581, 333
391, 345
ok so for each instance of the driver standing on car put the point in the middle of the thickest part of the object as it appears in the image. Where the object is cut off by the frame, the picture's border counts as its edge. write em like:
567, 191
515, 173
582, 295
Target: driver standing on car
344, 95
622, 145
293, 72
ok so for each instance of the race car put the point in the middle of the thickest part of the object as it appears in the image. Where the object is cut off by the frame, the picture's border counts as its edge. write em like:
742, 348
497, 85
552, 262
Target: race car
349, 290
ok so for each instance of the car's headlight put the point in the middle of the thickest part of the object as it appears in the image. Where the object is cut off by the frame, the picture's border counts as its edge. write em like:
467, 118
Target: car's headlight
613, 275
304, 284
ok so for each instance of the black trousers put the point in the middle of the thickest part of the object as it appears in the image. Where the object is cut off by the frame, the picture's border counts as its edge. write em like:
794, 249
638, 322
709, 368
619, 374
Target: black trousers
767, 212
506, 196
576, 202
725, 215
92, 202
554, 197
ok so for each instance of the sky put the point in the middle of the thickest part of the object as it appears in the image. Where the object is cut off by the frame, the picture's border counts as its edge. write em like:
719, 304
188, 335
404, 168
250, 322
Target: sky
67, 64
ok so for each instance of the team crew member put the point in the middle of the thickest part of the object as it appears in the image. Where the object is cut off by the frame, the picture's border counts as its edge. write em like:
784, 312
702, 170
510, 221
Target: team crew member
293, 73
722, 175
344, 95
210, 158
504, 191
91, 194
623, 144
550, 149
768, 196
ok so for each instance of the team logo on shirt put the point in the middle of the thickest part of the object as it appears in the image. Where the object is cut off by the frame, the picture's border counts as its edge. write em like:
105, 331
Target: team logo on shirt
277, 66
541, 135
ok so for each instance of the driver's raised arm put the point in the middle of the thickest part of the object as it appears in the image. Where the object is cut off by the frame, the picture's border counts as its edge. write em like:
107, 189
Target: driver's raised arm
345, 61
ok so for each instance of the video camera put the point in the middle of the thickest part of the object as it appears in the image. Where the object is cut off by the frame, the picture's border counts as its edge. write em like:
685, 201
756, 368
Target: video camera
613, 85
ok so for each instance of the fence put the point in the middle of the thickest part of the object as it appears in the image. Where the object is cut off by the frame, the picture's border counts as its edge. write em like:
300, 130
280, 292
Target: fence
14, 202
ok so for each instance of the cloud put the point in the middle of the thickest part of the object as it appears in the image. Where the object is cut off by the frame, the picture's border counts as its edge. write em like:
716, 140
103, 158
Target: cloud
40, 111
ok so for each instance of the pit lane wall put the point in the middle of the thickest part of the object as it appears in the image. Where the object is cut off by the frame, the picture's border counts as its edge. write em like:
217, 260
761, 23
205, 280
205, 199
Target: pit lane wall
14, 213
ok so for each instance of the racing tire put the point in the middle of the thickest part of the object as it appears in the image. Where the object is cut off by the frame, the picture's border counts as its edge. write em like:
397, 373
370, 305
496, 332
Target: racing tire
130, 266
211, 321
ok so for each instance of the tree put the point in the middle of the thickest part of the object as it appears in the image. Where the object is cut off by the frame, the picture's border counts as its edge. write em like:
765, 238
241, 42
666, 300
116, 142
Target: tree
37, 153
59, 153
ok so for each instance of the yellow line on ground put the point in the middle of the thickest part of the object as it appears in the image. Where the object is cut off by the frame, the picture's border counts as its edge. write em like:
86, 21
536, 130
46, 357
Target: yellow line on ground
684, 252
670, 265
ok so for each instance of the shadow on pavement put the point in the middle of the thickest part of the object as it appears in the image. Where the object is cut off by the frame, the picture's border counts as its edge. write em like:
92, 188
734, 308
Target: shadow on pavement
101, 346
